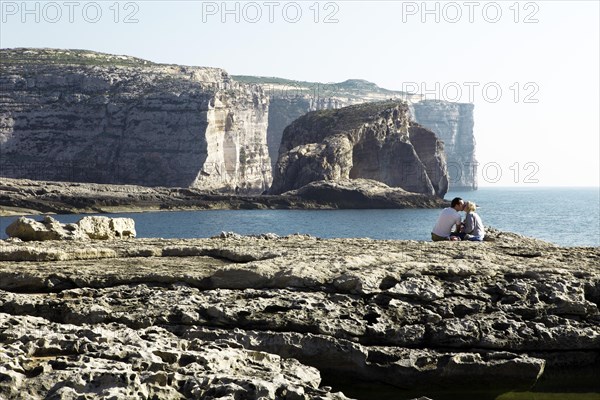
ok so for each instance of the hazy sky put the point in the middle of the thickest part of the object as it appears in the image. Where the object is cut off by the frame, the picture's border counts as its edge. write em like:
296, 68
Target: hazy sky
531, 68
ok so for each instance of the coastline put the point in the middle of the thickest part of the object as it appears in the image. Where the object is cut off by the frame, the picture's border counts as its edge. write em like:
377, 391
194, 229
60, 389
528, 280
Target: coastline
292, 313
28, 197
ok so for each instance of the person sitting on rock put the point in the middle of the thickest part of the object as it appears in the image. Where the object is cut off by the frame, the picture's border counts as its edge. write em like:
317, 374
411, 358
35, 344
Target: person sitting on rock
447, 219
473, 227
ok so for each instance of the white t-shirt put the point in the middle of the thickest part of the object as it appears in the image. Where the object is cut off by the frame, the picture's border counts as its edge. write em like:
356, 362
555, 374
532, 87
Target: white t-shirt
447, 219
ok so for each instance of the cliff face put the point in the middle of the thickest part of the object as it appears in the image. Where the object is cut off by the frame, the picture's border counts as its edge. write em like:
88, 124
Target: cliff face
451, 122
430, 151
285, 110
91, 117
373, 141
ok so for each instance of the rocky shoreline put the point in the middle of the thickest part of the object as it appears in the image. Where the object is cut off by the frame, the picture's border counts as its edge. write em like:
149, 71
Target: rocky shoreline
22, 196
297, 317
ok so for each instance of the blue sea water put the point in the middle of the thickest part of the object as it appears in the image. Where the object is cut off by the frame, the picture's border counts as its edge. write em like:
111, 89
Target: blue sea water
565, 216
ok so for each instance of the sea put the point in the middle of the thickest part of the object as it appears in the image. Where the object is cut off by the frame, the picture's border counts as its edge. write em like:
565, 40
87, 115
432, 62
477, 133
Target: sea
567, 216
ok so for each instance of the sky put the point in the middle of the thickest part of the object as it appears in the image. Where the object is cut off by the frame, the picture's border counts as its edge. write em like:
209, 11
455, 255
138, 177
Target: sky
530, 67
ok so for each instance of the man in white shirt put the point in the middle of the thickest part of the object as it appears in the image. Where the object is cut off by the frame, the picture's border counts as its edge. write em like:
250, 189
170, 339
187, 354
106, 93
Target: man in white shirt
448, 218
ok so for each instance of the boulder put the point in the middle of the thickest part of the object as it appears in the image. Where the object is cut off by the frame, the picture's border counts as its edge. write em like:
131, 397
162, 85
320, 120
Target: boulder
101, 228
48, 229
104, 228
123, 227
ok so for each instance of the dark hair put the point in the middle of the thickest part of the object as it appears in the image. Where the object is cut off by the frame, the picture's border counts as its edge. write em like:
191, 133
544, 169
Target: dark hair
455, 202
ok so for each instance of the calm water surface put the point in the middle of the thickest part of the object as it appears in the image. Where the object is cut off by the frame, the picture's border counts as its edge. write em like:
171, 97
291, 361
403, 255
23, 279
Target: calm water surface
566, 216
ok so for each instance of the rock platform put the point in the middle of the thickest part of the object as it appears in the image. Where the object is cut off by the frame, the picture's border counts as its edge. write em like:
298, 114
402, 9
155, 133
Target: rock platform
297, 317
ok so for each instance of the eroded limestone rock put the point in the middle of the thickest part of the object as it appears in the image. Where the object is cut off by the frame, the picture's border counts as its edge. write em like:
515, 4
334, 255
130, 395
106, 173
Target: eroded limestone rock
103, 228
48, 229
370, 141
40, 360
130, 121
453, 123
514, 314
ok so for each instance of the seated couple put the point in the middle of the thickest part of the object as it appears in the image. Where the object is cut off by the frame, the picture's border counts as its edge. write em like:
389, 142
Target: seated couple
469, 229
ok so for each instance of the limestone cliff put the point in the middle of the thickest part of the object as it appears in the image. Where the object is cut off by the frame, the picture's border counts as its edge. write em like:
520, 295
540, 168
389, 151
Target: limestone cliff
451, 122
73, 115
373, 141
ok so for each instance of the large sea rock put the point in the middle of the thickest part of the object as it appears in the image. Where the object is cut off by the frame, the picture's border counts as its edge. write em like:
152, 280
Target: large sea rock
452, 122
297, 317
82, 116
374, 141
